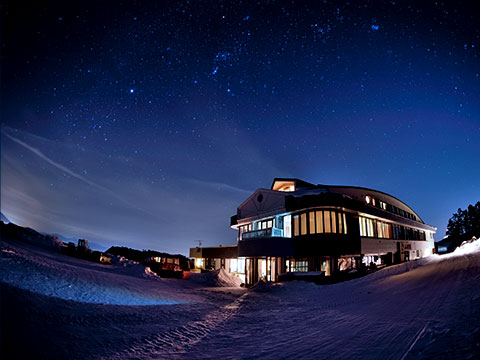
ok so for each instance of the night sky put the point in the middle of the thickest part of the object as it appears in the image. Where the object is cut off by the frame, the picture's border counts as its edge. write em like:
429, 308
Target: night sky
147, 123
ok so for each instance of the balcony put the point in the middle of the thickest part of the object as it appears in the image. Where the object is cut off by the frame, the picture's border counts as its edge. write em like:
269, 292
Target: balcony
263, 233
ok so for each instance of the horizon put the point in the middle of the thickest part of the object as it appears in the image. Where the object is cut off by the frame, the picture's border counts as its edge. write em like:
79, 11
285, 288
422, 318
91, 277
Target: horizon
147, 125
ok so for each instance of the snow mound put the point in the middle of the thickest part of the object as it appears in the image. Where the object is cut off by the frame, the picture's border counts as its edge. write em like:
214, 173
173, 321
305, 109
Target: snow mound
216, 278
468, 247
132, 268
260, 286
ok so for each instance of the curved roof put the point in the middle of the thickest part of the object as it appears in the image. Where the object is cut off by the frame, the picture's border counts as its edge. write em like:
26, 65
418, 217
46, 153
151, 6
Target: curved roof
355, 192
359, 193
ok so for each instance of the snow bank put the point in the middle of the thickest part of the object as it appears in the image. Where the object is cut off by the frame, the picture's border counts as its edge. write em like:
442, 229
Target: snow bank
56, 275
132, 268
216, 278
468, 247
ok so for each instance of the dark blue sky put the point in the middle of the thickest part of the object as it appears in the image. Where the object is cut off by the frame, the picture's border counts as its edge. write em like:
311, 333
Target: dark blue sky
145, 124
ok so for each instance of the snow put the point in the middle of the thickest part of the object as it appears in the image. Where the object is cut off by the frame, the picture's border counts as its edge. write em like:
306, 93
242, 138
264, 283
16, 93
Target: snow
63, 307
219, 278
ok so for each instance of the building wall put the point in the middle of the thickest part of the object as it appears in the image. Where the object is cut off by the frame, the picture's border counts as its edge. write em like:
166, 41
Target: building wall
373, 246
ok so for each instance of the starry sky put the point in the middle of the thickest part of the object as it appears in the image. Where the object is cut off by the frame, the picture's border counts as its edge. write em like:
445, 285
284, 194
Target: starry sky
146, 123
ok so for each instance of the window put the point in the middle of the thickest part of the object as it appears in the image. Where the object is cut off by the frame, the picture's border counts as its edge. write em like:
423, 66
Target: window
296, 225
361, 224
340, 227
303, 218
327, 222
311, 222
269, 224
319, 222
287, 226
371, 231
379, 229
301, 265
366, 227
344, 223
334, 221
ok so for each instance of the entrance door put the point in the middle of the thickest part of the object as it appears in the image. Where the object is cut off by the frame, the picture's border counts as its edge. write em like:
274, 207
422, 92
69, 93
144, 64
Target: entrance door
262, 269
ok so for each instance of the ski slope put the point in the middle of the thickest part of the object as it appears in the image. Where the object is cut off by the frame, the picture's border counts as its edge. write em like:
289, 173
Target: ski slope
428, 308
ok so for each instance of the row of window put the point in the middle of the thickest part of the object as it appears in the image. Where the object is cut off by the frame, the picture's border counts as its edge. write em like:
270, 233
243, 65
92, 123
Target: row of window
293, 265
390, 208
319, 222
380, 229
245, 228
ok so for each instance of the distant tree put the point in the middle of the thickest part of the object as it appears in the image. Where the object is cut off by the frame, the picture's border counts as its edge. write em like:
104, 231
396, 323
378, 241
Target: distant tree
465, 223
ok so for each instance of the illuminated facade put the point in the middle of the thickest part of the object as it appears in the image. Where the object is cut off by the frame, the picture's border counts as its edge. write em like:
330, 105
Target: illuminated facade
296, 227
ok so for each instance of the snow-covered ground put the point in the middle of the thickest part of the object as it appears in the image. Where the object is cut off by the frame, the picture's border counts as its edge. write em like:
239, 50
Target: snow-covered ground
55, 306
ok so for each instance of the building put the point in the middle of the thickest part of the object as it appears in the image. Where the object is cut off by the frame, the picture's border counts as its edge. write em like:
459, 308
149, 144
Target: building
219, 257
296, 226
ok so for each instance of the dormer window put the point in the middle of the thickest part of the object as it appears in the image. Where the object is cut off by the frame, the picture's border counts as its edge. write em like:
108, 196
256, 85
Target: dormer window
284, 186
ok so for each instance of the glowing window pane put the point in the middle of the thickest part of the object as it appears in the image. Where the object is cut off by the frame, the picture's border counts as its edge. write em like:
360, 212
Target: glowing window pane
287, 226
319, 222
340, 226
370, 228
344, 224
311, 222
334, 221
379, 229
296, 225
327, 221
304, 223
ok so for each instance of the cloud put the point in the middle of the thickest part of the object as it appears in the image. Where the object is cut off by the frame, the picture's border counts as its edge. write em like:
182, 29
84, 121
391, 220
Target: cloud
219, 186
70, 172
54, 163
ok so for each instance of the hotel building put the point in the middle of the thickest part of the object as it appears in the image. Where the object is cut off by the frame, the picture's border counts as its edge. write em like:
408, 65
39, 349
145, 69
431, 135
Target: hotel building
296, 227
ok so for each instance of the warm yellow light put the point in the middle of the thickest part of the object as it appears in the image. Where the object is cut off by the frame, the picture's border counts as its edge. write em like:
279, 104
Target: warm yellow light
199, 263
367, 199
284, 186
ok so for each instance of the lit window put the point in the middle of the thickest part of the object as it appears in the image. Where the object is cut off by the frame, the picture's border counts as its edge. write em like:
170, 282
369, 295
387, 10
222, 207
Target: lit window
334, 221
370, 227
379, 229
304, 223
269, 224
296, 225
311, 222
340, 225
287, 226
199, 263
327, 222
367, 199
319, 222
344, 224
364, 226
284, 186
301, 265
388, 230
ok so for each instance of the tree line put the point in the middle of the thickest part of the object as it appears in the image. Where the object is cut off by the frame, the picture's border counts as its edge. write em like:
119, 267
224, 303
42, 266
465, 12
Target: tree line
465, 223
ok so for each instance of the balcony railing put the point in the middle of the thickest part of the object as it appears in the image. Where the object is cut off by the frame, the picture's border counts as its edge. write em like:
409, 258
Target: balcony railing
270, 232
